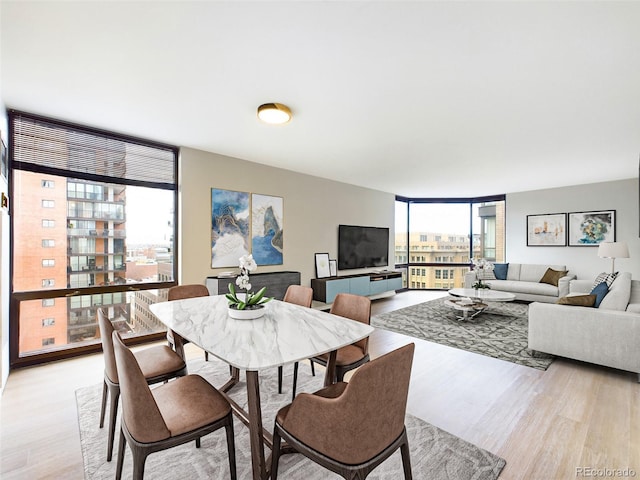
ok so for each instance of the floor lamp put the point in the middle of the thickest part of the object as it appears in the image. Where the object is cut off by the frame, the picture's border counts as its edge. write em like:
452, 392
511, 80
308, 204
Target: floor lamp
613, 250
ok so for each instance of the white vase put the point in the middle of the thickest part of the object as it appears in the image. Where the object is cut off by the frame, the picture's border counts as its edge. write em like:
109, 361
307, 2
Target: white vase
246, 314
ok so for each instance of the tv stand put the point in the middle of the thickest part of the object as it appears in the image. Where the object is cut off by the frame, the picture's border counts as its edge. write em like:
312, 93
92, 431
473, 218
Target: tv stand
368, 284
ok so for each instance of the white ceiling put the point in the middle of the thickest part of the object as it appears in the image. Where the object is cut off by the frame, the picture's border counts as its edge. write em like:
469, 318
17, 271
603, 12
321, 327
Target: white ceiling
421, 99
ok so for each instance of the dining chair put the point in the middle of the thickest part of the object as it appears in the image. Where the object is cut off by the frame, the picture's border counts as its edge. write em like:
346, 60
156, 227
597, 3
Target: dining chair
180, 292
302, 296
354, 307
172, 414
158, 364
351, 428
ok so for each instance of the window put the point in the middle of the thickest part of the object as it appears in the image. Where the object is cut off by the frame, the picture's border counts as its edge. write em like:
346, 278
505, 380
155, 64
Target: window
97, 187
48, 322
450, 232
423, 272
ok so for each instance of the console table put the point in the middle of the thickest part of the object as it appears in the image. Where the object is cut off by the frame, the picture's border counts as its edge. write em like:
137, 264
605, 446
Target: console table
367, 284
276, 283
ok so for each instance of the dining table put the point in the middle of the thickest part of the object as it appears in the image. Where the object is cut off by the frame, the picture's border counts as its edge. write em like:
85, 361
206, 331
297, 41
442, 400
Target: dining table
284, 334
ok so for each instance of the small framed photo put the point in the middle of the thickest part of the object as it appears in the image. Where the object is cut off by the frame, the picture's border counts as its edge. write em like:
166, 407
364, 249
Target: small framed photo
322, 265
588, 229
547, 230
333, 268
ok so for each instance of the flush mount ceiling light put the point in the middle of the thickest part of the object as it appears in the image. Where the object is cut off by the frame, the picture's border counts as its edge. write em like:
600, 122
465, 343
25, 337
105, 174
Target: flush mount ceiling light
274, 113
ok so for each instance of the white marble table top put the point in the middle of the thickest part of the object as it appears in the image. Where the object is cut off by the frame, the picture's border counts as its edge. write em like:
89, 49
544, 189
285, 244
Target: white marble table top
286, 333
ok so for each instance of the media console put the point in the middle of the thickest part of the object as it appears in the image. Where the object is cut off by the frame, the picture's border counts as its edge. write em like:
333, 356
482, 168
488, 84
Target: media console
367, 284
276, 283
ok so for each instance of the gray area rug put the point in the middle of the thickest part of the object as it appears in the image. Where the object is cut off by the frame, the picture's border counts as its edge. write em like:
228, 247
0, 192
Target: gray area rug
499, 332
435, 454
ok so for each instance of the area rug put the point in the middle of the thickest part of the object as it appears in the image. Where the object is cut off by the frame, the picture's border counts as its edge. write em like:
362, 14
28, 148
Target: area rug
435, 454
500, 331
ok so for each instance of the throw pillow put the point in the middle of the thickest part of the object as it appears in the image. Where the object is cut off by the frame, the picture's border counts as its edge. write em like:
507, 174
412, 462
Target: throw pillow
605, 277
578, 300
552, 276
600, 292
500, 270
485, 274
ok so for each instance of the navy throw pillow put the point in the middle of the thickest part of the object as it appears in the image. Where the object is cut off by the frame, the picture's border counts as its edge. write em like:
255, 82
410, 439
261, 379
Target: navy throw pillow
500, 270
599, 291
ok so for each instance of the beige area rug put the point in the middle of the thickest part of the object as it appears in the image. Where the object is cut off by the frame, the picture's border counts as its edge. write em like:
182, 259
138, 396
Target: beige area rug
435, 454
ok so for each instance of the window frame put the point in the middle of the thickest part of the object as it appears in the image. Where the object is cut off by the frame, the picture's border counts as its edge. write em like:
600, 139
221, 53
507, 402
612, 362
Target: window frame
52, 293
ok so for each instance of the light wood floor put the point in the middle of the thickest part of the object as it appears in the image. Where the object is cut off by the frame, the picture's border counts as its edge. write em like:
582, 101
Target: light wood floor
547, 425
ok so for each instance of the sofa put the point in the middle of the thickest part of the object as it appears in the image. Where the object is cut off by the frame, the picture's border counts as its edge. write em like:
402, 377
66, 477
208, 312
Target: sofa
608, 335
523, 280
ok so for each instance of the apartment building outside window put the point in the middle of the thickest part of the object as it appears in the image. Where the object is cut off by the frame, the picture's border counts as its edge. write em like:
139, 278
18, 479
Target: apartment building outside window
108, 203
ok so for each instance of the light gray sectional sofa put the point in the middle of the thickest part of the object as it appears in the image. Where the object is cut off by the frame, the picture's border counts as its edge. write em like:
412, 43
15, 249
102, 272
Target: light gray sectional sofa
523, 280
608, 335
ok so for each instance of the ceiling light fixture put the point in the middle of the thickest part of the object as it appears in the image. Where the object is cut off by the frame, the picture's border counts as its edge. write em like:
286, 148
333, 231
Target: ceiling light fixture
274, 113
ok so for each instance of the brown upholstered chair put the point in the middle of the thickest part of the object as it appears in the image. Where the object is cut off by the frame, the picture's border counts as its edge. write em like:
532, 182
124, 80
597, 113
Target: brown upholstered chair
180, 292
357, 308
169, 415
302, 296
158, 364
351, 428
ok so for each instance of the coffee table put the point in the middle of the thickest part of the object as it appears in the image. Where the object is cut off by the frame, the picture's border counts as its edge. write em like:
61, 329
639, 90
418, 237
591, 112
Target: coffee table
471, 302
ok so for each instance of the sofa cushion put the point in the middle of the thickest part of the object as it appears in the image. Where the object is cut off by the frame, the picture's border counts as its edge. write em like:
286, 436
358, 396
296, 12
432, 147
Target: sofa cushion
533, 272
552, 276
513, 272
605, 277
633, 308
578, 300
500, 270
619, 293
531, 288
600, 292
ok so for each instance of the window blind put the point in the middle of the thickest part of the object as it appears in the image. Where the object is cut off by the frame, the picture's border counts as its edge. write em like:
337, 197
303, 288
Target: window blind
46, 145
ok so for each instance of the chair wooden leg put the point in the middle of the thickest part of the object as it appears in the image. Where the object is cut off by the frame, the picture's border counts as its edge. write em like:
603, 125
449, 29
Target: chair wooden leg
313, 369
113, 414
103, 407
231, 448
295, 381
121, 446
406, 460
197, 443
280, 379
275, 454
139, 459
206, 356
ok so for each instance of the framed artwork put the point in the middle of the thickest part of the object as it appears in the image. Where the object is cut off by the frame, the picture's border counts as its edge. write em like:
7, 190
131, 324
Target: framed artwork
547, 230
322, 265
230, 227
333, 268
588, 229
266, 229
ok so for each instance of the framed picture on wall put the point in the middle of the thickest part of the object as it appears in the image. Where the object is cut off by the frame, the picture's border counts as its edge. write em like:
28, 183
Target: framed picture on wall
547, 230
322, 265
333, 268
588, 229
230, 226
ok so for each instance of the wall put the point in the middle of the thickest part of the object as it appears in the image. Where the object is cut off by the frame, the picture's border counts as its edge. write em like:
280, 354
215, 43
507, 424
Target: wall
621, 196
4, 264
313, 209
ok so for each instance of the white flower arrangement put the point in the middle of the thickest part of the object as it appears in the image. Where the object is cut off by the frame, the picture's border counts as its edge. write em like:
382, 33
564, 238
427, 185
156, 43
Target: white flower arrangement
251, 300
480, 266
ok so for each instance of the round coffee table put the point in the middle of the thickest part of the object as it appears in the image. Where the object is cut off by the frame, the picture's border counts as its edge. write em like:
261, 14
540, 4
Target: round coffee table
473, 302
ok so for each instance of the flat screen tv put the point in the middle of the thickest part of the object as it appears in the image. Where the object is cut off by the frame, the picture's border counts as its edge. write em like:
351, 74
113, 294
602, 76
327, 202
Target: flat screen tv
361, 247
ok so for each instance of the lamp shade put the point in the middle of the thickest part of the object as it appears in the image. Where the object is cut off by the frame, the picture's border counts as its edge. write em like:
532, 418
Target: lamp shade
613, 250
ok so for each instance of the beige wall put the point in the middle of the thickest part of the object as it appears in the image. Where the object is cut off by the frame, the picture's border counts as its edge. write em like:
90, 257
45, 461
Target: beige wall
313, 209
